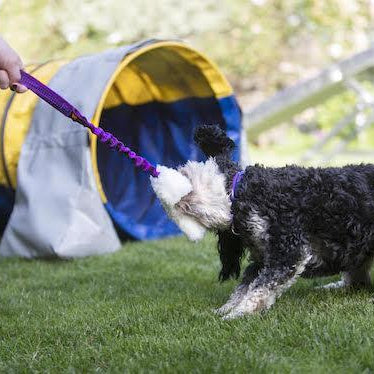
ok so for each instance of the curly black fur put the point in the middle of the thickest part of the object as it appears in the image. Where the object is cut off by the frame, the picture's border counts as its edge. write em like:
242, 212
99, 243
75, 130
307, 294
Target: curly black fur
329, 210
213, 141
231, 251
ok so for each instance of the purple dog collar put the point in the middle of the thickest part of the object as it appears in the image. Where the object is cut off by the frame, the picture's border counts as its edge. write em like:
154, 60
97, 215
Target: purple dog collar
68, 110
237, 178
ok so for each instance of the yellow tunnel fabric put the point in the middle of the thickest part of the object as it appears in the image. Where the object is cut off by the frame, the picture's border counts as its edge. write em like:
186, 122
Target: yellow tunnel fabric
166, 73
17, 111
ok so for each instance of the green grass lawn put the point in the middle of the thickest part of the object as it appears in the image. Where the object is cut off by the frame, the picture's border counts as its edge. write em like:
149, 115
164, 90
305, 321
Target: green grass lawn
148, 308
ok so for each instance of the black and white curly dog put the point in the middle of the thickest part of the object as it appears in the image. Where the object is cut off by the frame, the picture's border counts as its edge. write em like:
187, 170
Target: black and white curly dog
293, 221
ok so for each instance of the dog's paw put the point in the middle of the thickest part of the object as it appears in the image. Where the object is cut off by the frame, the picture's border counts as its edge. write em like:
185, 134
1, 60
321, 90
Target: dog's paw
224, 309
235, 299
247, 307
238, 313
230, 305
333, 285
232, 315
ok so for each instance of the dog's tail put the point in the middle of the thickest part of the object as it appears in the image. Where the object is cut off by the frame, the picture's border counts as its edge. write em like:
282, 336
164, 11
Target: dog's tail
213, 141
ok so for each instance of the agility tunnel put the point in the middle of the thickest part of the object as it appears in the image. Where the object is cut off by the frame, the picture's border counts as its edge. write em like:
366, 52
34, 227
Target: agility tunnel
59, 186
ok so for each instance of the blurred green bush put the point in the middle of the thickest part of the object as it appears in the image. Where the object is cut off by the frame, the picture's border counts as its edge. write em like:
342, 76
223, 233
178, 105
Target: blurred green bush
261, 45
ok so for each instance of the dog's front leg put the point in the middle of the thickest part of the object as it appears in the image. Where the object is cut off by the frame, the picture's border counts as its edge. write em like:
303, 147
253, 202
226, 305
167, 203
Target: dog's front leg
250, 273
263, 291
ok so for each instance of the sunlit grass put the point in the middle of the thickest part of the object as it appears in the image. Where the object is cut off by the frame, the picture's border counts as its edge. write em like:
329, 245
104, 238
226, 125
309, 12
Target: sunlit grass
149, 308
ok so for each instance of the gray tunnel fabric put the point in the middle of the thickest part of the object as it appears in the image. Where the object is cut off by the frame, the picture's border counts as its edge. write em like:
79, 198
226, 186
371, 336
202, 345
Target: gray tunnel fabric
58, 210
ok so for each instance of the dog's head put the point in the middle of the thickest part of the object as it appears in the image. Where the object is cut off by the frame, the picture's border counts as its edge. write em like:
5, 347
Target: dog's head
194, 196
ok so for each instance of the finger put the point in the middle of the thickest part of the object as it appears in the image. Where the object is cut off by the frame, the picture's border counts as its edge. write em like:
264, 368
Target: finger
4, 79
14, 72
19, 88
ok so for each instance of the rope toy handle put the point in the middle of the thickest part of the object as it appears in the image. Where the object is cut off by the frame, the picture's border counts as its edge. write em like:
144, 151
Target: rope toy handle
68, 110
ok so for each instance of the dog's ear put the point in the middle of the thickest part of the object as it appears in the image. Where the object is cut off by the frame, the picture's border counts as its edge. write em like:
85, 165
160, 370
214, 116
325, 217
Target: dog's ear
191, 227
231, 250
213, 141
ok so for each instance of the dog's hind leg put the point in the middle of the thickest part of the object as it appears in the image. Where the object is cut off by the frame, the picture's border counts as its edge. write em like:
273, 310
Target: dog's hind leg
250, 273
358, 278
270, 284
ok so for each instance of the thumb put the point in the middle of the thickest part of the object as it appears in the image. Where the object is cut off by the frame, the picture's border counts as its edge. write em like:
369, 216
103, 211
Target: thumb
19, 88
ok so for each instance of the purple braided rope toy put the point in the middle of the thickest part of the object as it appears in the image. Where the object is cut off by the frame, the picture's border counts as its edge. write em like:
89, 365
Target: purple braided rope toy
68, 110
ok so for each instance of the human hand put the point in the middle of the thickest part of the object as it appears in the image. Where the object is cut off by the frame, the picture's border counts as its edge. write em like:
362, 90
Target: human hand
10, 68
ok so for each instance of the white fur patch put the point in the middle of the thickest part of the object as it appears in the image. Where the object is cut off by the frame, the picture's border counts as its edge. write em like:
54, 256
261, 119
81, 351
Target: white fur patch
235, 299
209, 201
334, 285
191, 227
258, 225
170, 186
